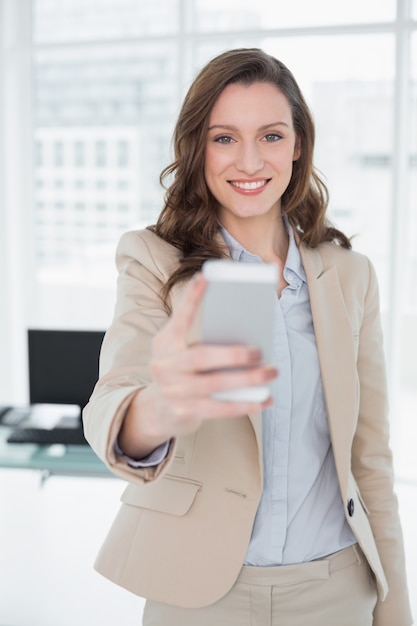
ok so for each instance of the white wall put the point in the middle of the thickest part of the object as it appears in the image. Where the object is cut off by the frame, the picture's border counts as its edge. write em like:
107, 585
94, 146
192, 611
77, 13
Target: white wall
49, 537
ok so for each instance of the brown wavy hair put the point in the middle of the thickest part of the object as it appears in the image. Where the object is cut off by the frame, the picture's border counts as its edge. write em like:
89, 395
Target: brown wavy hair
188, 219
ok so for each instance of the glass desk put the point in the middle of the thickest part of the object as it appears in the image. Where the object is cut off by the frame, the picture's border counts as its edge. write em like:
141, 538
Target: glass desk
51, 460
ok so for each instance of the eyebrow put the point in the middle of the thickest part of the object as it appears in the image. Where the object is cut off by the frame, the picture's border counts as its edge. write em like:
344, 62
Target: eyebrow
264, 127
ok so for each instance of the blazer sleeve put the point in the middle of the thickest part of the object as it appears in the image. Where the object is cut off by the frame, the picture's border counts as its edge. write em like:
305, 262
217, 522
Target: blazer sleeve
372, 463
144, 263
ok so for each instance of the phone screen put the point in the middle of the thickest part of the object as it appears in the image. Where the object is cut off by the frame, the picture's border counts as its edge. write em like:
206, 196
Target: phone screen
239, 304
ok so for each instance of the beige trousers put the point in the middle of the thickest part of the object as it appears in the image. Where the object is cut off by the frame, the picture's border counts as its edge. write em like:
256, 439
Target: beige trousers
336, 591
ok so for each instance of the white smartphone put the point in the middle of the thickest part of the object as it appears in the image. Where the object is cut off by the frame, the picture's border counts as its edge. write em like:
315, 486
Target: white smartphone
238, 308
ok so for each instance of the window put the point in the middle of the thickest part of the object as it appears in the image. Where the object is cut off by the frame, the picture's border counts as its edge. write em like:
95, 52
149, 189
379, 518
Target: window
108, 78
79, 155
58, 154
122, 153
38, 154
235, 15
101, 154
112, 109
90, 20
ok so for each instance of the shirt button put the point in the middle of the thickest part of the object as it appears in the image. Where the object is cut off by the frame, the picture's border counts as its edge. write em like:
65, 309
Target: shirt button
351, 507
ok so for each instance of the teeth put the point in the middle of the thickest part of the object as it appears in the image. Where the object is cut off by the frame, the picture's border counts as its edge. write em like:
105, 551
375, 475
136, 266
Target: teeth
254, 185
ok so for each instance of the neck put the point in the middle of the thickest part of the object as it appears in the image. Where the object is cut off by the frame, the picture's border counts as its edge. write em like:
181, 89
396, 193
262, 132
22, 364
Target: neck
268, 240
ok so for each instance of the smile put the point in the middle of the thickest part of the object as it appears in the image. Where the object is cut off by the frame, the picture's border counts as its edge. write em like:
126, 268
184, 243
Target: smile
249, 185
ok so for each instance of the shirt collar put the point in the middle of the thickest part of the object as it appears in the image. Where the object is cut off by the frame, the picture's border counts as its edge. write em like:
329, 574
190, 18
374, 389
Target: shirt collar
293, 261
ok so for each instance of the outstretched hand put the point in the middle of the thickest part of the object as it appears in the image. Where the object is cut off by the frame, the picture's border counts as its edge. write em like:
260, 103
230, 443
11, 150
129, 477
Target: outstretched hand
184, 377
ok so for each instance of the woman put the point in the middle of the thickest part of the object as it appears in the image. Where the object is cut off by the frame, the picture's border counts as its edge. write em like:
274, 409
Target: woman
280, 512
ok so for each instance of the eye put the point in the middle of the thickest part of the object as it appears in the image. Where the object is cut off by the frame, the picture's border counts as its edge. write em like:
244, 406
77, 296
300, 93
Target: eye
223, 139
272, 137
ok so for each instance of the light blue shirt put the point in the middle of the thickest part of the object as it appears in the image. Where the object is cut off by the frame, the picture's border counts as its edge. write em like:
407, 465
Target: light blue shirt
301, 514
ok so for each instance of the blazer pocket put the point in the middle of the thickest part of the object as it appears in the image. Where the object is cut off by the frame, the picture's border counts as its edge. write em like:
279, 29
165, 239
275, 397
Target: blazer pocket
168, 494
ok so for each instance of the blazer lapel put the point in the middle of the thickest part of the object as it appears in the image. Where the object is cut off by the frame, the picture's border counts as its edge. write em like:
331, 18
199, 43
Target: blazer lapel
335, 345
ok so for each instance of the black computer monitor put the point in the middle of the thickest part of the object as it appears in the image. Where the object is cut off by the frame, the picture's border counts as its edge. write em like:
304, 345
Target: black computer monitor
63, 365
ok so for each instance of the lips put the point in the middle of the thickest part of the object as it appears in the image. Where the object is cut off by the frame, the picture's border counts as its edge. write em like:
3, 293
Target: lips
249, 185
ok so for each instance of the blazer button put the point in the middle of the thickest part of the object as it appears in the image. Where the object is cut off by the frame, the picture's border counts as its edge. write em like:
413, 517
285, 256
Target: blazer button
351, 507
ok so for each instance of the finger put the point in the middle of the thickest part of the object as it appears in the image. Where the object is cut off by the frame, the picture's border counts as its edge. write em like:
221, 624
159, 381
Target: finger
182, 317
225, 410
205, 357
204, 385
206, 408
202, 358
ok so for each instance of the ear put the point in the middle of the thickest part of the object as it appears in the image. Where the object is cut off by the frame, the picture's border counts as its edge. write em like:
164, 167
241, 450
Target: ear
297, 149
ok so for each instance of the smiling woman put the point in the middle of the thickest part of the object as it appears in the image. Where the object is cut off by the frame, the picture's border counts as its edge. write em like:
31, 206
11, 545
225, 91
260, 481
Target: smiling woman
311, 464
95, 87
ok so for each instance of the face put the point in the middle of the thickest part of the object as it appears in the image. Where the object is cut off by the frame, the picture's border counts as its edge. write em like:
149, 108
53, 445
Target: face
251, 146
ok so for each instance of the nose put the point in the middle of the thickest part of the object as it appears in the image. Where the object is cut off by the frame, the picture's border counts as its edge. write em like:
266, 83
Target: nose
249, 159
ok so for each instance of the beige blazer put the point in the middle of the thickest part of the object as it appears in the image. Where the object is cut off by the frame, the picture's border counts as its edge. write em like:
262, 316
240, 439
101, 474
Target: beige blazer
183, 528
